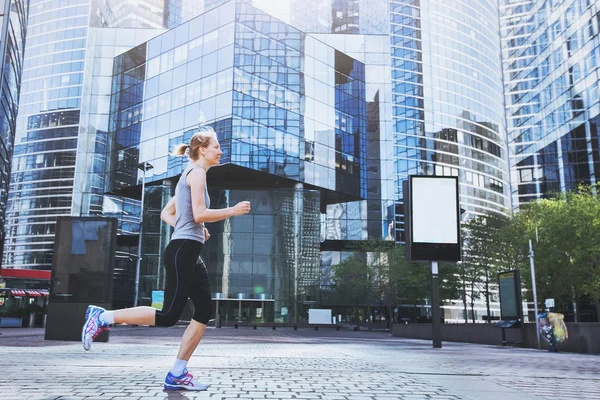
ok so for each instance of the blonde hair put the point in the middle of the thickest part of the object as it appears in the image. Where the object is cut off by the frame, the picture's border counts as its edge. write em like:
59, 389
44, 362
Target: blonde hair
200, 139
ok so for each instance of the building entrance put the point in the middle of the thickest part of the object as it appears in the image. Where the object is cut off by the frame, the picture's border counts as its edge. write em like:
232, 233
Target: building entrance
244, 310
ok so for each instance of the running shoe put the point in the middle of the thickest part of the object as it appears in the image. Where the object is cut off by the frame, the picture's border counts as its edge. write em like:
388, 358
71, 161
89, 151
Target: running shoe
93, 326
185, 381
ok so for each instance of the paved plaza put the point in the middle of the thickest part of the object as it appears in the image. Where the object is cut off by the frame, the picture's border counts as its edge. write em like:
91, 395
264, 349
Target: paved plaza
285, 364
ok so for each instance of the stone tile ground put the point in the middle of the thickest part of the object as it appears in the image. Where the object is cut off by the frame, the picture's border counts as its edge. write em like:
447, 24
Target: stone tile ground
285, 364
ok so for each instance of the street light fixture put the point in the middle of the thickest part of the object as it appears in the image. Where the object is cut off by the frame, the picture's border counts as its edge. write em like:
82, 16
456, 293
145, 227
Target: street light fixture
144, 166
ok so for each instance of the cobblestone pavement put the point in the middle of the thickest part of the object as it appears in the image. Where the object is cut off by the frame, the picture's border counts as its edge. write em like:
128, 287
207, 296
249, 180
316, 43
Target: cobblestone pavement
286, 364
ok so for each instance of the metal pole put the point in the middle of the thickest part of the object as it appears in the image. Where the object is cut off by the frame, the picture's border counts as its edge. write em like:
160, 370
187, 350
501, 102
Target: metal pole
435, 307
535, 303
139, 252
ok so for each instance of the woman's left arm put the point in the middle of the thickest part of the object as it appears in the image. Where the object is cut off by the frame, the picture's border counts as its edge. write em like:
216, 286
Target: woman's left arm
168, 213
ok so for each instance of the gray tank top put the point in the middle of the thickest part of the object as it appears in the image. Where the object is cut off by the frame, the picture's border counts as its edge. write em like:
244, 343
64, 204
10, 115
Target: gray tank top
185, 226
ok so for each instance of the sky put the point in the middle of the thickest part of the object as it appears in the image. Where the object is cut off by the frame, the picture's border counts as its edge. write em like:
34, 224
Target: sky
277, 8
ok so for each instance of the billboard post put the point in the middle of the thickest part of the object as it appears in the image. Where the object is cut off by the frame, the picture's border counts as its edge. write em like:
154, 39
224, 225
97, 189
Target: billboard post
82, 274
511, 308
432, 231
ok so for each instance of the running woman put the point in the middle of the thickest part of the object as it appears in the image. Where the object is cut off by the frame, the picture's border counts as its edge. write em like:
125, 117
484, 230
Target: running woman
186, 275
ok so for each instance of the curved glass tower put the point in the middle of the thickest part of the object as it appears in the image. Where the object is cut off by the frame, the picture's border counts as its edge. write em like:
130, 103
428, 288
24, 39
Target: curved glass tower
13, 20
551, 56
447, 99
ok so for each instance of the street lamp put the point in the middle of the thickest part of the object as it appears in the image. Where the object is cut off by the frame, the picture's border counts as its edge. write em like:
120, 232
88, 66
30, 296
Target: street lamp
144, 166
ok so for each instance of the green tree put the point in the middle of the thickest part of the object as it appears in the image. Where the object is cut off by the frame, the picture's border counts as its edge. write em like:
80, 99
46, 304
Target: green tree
470, 275
484, 247
353, 281
567, 252
409, 281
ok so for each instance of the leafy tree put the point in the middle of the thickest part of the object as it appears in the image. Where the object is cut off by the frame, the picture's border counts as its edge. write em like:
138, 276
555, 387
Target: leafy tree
411, 282
470, 275
408, 280
567, 252
484, 247
353, 282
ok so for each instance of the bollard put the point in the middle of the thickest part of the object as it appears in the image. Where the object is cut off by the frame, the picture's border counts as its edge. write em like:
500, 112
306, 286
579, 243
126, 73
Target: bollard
31, 320
295, 328
337, 328
316, 328
235, 326
254, 326
274, 327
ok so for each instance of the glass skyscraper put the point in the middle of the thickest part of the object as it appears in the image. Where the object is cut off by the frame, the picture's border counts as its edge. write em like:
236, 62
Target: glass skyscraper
13, 19
291, 116
551, 53
47, 129
340, 16
61, 132
447, 98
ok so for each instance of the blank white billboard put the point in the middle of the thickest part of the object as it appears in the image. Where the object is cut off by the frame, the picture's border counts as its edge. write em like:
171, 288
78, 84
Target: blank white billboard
321, 317
434, 210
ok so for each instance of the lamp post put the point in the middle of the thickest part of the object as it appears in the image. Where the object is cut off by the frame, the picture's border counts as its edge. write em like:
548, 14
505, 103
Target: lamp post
144, 166
535, 306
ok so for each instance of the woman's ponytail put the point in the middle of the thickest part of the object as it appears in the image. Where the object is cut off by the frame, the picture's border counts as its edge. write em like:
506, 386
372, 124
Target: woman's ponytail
179, 149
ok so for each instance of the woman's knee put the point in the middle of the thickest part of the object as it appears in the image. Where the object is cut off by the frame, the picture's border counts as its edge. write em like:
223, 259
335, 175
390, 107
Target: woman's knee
203, 315
166, 319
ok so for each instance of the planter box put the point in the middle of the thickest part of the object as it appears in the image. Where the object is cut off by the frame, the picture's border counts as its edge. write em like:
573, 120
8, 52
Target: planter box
584, 337
11, 322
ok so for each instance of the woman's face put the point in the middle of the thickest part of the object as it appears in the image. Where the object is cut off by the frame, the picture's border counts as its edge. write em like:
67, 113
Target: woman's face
212, 153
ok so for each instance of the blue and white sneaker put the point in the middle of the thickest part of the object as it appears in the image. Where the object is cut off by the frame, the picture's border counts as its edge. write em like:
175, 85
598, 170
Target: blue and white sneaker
185, 381
92, 326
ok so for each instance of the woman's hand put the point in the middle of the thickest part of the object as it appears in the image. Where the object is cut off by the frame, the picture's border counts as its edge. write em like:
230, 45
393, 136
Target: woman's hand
206, 234
241, 208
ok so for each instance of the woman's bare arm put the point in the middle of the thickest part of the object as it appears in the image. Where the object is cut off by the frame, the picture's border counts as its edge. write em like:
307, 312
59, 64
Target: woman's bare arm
168, 214
197, 181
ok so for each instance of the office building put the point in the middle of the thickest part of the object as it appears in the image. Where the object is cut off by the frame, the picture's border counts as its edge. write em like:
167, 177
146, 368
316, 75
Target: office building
12, 39
551, 51
291, 116
447, 96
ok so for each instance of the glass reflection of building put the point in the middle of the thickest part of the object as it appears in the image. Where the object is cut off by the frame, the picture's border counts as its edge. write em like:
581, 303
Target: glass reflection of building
447, 96
291, 116
551, 51
13, 17
361, 30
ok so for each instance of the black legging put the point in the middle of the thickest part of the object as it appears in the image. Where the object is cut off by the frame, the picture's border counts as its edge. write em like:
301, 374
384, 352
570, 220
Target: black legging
186, 278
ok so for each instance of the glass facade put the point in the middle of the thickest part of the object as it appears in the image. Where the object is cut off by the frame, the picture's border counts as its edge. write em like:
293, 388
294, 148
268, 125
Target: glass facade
129, 13
291, 116
264, 266
47, 129
361, 30
61, 135
13, 20
284, 103
551, 53
370, 218
448, 111
341, 16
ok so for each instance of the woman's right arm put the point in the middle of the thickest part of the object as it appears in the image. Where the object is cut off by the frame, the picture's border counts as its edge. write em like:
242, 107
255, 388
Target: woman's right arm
197, 181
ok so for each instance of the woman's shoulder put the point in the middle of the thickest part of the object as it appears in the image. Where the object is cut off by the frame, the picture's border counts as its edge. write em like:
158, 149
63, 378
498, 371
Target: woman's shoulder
196, 175
197, 171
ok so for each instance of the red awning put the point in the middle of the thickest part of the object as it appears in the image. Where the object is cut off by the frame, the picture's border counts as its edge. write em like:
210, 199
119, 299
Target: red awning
29, 292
